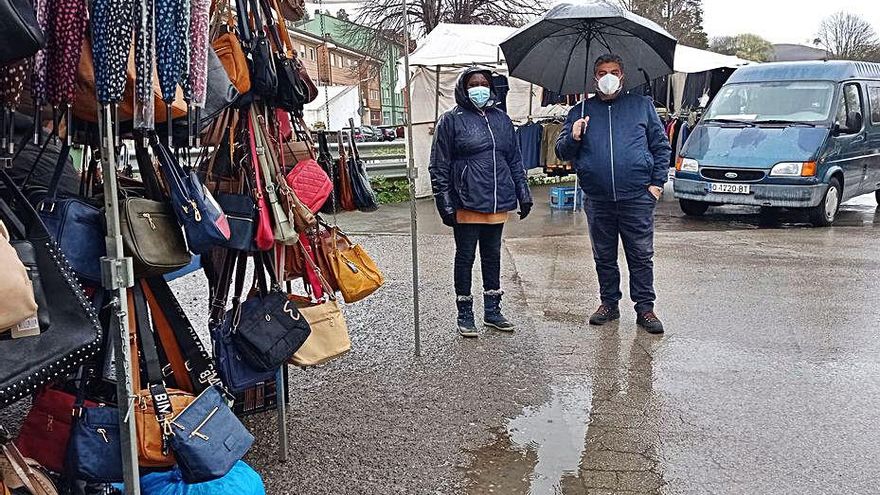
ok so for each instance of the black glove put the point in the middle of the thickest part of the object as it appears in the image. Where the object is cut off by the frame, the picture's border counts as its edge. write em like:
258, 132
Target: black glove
448, 219
524, 210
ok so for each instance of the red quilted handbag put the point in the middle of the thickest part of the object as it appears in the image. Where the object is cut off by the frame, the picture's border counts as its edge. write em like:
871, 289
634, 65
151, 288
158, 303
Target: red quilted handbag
46, 428
310, 184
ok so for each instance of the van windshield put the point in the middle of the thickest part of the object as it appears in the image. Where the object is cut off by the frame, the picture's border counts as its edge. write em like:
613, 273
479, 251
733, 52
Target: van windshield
787, 101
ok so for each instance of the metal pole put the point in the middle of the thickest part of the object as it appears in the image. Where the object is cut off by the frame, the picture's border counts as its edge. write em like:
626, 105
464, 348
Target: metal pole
410, 177
281, 404
437, 96
117, 274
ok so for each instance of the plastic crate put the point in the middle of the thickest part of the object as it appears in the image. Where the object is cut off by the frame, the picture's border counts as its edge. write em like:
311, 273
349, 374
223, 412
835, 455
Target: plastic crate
566, 198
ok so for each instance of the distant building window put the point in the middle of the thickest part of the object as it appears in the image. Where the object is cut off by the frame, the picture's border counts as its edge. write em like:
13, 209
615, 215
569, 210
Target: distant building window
374, 95
312, 54
302, 51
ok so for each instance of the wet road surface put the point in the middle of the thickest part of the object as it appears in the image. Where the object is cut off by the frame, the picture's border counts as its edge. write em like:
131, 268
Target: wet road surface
766, 381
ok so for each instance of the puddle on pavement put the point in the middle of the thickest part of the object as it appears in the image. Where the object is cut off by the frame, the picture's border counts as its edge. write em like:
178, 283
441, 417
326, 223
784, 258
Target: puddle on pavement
538, 449
598, 431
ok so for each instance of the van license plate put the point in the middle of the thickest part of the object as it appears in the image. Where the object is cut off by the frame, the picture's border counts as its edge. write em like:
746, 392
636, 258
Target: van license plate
729, 188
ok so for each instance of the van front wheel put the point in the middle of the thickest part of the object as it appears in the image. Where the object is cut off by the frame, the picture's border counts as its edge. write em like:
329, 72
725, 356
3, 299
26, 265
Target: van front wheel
693, 208
825, 212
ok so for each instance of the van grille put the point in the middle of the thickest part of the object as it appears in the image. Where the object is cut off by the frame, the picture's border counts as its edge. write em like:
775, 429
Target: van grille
742, 174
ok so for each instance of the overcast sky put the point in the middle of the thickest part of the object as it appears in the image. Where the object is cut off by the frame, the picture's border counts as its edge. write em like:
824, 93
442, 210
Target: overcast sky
780, 21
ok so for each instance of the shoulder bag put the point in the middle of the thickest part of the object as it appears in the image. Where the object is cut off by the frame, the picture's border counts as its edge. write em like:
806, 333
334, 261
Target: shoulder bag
354, 270
46, 428
75, 334
228, 48
346, 195
18, 302
271, 328
204, 223
236, 373
77, 226
264, 77
264, 238
150, 232
328, 164
154, 406
290, 94
264, 158
19, 472
94, 452
20, 34
364, 196
329, 338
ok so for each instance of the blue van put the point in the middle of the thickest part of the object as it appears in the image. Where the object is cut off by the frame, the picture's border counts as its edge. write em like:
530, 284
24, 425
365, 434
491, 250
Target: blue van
786, 135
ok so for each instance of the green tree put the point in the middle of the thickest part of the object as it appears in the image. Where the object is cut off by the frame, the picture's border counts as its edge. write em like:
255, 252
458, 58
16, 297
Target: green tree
849, 36
748, 46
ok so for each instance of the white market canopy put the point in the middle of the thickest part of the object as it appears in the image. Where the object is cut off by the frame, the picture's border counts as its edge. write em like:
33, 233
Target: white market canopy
465, 44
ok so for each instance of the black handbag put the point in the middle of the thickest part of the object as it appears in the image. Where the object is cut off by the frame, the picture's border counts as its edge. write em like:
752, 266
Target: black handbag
237, 374
271, 328
328, 163
241, 212
20, 34
75, 333
221, 94
364, 197
264, 77
290, 93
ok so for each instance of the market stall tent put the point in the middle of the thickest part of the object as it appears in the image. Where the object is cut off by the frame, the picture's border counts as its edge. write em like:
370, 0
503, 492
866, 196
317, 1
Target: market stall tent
441, 55
343, 102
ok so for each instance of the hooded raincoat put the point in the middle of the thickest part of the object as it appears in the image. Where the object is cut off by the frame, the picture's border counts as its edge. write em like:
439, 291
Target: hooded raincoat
475, 159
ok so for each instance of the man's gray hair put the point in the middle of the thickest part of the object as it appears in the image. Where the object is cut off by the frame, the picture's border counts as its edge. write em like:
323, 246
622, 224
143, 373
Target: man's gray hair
606, 59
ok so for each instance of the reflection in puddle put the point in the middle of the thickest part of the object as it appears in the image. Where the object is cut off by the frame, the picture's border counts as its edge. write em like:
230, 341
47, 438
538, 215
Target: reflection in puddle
539, 448
596, 434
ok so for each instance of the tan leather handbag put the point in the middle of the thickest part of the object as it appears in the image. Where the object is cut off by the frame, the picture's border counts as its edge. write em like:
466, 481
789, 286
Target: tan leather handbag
329, 336
228, 48
149, 431
356, 273
17, 471
18, 301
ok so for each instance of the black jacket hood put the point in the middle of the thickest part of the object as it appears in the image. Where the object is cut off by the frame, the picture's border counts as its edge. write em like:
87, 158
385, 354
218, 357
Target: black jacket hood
461, 95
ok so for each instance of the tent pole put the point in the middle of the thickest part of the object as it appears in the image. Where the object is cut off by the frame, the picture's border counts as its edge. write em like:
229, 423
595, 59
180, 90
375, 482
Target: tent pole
410, 177
117, 275
531, 97
437, 96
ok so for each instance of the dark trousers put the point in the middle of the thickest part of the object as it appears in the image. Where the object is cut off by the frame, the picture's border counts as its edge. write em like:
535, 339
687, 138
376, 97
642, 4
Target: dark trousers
467, 236
633, 222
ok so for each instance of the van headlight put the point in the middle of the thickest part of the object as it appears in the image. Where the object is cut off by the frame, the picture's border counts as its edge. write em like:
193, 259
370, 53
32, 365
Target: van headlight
793, 169
688, 165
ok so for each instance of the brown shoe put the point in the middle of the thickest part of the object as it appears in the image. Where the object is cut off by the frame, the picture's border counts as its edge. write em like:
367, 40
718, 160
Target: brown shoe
604, 314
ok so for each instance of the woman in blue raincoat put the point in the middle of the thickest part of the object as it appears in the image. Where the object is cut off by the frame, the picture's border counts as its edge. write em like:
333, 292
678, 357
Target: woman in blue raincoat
478, 178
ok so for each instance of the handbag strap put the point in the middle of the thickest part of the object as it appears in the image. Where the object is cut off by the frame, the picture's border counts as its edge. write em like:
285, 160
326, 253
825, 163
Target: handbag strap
147, 171
309, 256
52, 193
21, 468
161, 403
221, 289
244, 28
198, 363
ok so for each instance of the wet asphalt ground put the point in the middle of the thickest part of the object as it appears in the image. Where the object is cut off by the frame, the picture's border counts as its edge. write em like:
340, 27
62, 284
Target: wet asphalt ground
765, 382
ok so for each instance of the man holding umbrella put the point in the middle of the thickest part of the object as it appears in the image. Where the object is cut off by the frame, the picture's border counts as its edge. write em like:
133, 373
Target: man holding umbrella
621, 155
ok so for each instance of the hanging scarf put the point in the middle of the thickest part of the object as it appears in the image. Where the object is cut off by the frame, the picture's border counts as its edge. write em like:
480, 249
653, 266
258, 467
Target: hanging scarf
38, 81
144, 54
111, 44
169, 46
12, 83
198, 71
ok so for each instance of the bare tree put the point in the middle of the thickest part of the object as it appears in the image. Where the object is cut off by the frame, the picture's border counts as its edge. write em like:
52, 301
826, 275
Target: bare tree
682, 18
746, 46
848, 36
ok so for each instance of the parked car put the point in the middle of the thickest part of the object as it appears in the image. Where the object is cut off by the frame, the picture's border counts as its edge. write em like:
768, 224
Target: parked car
362, 134
786, 135
388, 133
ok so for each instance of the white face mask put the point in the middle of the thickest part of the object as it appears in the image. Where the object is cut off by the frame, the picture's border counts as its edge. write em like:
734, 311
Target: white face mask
609, 84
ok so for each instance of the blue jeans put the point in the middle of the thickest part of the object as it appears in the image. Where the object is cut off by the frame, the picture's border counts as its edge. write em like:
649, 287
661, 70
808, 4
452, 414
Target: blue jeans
633, 222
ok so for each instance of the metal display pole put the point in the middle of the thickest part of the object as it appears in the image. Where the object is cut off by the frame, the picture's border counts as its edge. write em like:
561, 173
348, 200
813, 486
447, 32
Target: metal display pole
410, 177
117, 275
281, 409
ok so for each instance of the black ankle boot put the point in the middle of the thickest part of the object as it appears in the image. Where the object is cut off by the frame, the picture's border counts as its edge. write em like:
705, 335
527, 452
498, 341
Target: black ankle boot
466, 325
492, 316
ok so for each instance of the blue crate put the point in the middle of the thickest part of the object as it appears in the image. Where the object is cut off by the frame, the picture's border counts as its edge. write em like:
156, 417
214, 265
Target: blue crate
566, 198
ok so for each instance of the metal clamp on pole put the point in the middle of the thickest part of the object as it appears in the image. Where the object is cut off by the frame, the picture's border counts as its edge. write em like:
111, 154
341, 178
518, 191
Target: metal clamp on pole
117, 273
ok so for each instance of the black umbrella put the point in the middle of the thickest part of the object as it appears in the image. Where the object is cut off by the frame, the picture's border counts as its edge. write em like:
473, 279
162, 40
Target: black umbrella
557, 51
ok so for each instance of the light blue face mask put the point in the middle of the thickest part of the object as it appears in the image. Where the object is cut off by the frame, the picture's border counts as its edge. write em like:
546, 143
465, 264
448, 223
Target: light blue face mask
479, 95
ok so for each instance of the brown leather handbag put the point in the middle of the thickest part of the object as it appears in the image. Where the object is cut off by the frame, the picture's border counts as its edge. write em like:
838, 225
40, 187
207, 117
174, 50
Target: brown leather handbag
346, 195
356, 272
149, 432
86, 105
228, 48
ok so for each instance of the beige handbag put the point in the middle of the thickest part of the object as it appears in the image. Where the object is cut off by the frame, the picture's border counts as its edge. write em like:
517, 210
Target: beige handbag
17, 471
18, 301
329, 337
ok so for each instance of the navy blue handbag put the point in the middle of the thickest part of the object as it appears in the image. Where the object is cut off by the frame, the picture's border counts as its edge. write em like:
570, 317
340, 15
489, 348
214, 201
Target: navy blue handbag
203, 221
94, 451
207, 438
75, 225
241, 212
236, 373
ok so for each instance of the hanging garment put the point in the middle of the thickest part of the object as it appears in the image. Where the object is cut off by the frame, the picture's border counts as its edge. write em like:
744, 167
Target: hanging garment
198, 72
144, 56
169, 41
529, 137
502, 87
553, 166
38, 80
